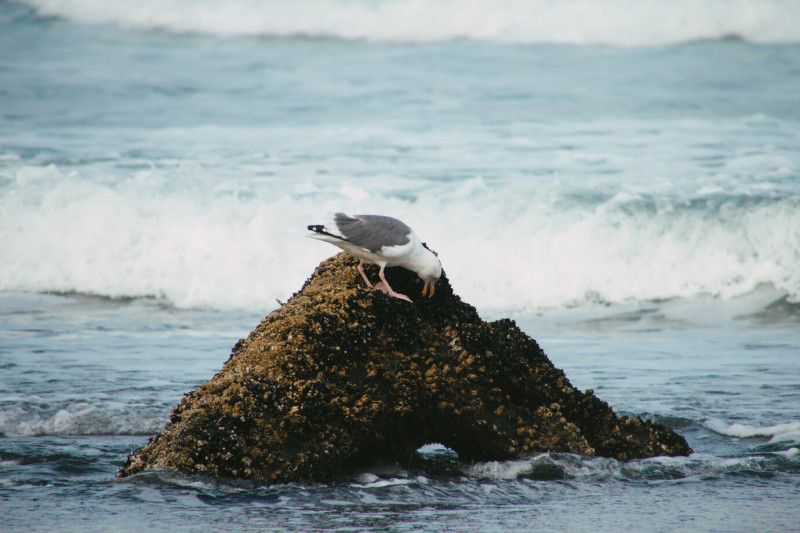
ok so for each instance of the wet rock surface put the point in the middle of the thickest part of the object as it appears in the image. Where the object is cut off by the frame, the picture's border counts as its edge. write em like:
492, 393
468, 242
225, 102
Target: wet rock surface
343, 377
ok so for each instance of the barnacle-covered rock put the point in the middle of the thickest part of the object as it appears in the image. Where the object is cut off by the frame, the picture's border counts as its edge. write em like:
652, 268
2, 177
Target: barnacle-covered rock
342, 377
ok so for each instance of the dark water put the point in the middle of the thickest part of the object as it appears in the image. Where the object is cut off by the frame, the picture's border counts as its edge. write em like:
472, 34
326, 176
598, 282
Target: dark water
67, 487
86, 380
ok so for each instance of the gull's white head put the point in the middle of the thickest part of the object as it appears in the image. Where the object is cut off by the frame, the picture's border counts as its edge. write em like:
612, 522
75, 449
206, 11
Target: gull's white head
429, 270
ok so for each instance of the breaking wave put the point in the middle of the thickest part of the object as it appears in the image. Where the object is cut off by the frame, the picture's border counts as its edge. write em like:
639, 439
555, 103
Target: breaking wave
609, 22
512, 247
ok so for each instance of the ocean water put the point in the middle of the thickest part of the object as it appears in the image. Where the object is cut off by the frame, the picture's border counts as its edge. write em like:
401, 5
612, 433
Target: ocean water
621, 178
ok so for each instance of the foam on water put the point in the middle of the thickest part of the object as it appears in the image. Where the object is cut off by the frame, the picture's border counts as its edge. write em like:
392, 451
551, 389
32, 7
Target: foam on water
614, 22
788, 432
181, 234
696, 466
31, 418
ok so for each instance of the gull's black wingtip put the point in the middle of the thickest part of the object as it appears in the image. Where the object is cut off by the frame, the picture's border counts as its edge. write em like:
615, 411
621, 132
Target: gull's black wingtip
320, 229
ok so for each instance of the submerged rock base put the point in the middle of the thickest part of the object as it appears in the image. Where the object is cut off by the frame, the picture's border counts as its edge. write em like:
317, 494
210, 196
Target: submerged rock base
342, 377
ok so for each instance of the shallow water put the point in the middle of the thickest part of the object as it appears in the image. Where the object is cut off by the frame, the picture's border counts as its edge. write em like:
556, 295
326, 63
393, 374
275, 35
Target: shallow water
622, 183
86, 379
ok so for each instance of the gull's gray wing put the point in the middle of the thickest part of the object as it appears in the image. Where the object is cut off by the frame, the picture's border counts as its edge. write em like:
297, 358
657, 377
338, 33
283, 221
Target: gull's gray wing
372, 231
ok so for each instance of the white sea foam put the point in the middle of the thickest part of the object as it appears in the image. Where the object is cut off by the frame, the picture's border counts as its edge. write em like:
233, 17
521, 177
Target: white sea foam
79, 418
183, 235
502, 469
693, 467
787, 432
614, 22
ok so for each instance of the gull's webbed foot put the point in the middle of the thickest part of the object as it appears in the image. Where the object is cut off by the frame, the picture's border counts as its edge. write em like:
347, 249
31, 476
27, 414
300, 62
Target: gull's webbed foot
384, 288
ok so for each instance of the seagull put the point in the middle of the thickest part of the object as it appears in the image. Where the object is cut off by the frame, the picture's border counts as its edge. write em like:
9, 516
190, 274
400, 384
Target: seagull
382, 241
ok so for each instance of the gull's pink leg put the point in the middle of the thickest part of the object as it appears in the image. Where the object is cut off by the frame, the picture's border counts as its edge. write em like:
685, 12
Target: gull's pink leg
389, 288
363, 275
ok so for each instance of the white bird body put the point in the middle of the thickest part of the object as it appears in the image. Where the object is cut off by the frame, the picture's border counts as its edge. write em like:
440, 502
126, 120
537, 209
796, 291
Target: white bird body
382, 241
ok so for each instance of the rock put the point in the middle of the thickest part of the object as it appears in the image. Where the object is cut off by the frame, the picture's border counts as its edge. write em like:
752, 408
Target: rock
342, 377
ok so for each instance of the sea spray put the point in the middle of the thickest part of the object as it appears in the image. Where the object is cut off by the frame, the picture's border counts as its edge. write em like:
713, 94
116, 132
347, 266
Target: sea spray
609, 22
514, 246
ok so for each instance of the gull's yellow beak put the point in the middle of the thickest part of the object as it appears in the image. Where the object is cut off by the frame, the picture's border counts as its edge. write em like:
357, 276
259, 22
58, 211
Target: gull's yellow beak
428, 287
